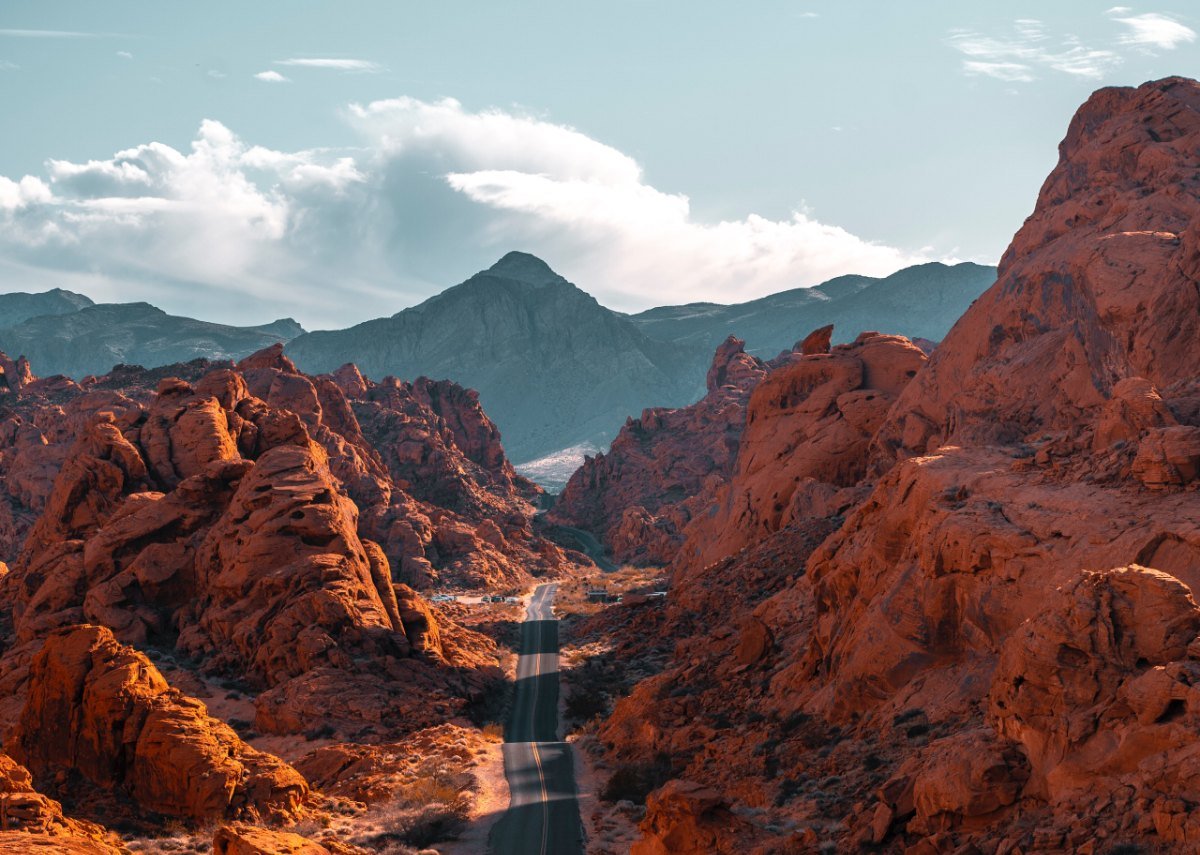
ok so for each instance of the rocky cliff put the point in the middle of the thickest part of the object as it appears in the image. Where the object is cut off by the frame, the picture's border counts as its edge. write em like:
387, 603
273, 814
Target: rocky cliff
663, 467
252, 526
991, 650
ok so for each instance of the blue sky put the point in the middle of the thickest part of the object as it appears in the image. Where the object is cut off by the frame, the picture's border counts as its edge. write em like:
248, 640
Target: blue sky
338, 161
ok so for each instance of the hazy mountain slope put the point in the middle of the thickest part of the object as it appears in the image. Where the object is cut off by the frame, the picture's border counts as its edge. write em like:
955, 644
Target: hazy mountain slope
20, 306
95, 338
922, 301
552, 366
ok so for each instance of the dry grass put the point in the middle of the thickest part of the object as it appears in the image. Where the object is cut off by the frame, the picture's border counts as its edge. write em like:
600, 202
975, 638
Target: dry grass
571, 599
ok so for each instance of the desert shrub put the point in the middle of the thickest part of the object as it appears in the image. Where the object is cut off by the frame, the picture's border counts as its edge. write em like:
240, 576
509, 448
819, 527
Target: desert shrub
433, 823
585, 703
634, 781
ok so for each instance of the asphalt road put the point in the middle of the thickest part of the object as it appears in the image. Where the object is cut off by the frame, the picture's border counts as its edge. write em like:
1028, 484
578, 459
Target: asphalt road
543, 815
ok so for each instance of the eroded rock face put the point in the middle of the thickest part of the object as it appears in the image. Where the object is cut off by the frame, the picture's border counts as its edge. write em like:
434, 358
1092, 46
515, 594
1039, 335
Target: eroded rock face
242, 523
662, 468
687, 818
244, 839
809, 427
29, 821
1095, 287
103, 711
994, 648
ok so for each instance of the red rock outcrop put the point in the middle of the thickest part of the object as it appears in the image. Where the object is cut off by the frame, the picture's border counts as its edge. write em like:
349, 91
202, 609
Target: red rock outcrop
687, 818
243, 839
243, 523
31, 822
662, 468
809, 427
101, 710
1096, 287
958, 667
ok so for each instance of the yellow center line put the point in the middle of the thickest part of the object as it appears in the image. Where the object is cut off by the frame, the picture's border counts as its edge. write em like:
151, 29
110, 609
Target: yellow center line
537, 759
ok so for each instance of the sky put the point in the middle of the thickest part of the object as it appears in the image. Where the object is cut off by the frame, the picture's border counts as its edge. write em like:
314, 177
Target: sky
334, 162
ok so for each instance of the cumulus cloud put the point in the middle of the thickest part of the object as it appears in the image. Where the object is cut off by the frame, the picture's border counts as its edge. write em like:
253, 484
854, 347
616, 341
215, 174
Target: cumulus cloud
20, 194
1029, 48
1151, 29
233, 231
272, 77
5, 65
360, 65
124, 54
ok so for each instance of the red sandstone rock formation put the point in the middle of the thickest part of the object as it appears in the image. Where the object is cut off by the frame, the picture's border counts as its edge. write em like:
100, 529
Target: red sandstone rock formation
995, 650
243, 839
255, 523
101, 710
31, 822
662, 468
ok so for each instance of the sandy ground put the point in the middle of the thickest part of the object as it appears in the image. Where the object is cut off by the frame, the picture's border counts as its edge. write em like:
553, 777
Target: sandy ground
608, 829
491, 801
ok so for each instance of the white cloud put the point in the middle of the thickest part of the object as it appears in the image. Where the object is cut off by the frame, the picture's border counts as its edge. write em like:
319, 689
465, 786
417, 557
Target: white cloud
124, 54
272, 77
5, 65
233, 231
334, 64
47, 34
21, 194
217, 75
1013, 71
1018, 57
1151, 29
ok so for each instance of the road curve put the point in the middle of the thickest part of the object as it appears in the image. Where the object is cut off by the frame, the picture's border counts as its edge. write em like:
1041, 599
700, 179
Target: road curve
543, 814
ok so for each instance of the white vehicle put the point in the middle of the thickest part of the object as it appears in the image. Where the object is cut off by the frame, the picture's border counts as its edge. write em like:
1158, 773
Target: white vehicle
442, 598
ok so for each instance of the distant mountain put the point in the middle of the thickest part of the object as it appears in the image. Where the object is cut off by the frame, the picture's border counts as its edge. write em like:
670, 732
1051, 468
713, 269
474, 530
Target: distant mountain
558, 372
552, 366
94, 338
20, 306
922, 301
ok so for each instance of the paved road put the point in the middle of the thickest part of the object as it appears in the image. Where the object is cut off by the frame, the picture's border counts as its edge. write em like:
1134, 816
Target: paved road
543, 816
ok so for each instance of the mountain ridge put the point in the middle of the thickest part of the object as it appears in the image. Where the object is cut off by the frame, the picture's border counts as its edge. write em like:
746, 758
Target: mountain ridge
95, 338
555, 368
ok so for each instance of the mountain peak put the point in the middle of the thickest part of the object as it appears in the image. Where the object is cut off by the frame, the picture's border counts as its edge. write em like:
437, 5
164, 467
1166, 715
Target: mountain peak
524, 268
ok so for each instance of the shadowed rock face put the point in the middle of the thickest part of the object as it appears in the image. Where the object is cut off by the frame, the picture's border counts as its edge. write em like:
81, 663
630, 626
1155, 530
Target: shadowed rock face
640, 495
996, 645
